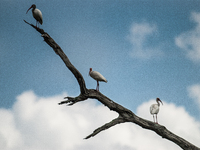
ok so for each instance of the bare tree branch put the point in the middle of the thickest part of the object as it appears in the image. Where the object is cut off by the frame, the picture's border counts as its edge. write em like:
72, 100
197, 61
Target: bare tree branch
107, 126
125, 115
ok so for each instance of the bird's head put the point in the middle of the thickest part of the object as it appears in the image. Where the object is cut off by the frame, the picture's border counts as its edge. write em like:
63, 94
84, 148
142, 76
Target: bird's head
90, 71
32, 6
158, 100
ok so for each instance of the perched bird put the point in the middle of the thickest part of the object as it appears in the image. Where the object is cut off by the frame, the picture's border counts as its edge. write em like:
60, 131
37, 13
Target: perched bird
154, 109
37, 14
98, 77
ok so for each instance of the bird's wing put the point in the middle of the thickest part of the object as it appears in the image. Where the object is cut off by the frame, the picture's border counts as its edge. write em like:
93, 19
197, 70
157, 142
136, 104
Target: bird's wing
38, 15
151, 109
154, 109
97, 76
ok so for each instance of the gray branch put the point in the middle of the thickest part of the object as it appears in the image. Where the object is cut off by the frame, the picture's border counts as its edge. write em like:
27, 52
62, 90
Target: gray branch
125, 115
107, 126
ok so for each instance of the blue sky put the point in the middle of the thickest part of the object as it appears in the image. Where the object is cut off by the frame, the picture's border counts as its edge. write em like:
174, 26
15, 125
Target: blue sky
145, 49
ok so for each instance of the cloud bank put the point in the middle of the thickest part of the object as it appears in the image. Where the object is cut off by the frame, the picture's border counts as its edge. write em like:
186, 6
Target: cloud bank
39, 123
189, 41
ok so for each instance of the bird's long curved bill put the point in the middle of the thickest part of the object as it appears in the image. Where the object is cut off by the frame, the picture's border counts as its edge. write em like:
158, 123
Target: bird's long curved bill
28, 9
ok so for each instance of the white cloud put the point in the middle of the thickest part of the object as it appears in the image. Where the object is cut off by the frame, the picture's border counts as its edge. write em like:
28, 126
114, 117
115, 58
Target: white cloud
9, 135
194, 92
140, 34
189, 41
39, 123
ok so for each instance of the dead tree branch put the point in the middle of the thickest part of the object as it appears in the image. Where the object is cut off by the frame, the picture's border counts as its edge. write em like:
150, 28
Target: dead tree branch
107, 126
125, 115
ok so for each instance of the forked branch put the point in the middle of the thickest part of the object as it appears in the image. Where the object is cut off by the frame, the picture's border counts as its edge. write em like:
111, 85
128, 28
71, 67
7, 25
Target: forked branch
125, 115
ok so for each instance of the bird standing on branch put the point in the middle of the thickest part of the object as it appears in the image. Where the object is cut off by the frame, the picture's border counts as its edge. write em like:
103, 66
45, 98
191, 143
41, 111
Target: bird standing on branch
37, 14
98, 77
154, 109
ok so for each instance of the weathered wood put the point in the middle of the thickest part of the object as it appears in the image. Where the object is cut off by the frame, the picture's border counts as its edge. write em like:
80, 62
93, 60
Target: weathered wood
125, 115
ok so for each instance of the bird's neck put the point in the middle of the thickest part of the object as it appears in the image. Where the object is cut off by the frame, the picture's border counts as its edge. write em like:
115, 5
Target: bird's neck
158, 103
33, 10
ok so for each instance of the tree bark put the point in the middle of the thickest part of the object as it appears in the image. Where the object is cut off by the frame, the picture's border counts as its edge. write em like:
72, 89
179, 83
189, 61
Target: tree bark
125, 115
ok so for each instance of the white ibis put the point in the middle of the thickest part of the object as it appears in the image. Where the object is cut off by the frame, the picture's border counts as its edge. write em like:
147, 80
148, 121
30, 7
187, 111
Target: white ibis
154, 109
98, 77
37, 14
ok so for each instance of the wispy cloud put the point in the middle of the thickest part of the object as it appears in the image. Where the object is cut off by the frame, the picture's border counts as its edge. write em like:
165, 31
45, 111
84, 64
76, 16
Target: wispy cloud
39, 123
194, 92
189, 41
139, 36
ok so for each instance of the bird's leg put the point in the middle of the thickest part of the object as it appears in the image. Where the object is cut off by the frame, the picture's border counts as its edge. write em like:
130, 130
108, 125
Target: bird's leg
153, 118
156, 119
97, 86
37, 24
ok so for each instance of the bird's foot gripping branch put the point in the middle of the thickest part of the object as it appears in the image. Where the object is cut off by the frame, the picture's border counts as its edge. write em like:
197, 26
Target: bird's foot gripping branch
125, 115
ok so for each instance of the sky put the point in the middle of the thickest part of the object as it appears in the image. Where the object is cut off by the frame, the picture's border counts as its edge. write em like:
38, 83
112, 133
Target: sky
145, 49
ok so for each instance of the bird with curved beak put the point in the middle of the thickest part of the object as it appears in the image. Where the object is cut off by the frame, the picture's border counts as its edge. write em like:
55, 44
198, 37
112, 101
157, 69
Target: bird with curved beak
154, 109
37, 14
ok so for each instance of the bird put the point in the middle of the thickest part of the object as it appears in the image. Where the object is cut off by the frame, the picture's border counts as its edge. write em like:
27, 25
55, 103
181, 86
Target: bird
37, 14
98, 77
154, 109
